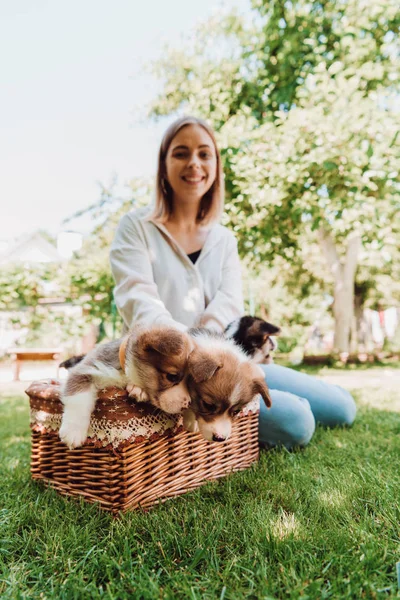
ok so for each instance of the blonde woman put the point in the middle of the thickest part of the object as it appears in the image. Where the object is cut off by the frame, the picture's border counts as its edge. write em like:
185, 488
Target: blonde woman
174, 264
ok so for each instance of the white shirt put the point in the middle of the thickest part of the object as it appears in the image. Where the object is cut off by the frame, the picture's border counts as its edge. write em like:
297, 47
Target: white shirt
156, 282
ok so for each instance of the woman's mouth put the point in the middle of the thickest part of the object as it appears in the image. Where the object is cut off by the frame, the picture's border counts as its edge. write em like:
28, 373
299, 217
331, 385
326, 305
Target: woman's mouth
192, 180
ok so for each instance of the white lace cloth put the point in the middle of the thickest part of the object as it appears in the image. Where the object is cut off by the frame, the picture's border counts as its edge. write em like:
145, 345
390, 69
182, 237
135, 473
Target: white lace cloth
115, 421
104, 431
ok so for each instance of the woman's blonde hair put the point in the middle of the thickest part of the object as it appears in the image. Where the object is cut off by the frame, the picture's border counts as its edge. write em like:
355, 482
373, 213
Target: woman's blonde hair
212, 203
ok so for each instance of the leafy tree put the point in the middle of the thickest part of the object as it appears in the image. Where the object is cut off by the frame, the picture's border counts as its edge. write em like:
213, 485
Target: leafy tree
25, 292
21, 286
305, 100
260, 63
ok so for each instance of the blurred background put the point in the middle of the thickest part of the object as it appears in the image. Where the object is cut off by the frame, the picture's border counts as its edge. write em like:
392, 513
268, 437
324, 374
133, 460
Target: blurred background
305, 99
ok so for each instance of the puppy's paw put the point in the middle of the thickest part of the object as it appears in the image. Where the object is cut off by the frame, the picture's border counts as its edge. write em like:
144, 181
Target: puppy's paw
73, 434
174, 400
189, 421
194, 427
136, 392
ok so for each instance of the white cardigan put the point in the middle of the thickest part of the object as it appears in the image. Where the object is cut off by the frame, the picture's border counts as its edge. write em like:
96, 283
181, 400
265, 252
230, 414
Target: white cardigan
156, 282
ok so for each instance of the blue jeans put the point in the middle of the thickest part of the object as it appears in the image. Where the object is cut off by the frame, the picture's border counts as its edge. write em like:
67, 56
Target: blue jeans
298, 402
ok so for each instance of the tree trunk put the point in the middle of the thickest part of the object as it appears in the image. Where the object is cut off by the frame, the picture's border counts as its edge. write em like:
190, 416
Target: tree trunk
343, 313
360, 321
344, 276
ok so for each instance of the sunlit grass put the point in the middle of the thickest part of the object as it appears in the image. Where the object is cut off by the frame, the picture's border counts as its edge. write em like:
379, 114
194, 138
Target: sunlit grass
323, 522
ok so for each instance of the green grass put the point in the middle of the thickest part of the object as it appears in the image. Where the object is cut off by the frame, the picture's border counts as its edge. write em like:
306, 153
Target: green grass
323, 522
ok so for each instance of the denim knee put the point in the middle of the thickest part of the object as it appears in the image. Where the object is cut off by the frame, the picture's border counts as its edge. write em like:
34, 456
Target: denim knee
340, 412
331, 404
289, 422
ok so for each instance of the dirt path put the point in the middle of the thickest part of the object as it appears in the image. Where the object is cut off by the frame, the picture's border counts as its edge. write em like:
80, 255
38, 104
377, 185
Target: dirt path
384, 378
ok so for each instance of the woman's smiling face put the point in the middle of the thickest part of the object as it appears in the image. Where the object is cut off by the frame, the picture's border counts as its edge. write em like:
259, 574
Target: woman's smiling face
191, 163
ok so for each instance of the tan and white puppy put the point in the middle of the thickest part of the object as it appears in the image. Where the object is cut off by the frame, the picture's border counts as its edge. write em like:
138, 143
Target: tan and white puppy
221, 382
150, 364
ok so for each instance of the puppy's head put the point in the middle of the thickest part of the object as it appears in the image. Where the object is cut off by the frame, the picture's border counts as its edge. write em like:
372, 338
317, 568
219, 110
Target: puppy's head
254, 336
156, 360
221, 383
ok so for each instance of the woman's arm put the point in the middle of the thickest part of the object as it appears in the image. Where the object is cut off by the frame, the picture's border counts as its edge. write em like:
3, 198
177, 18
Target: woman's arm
227, 303
136, 294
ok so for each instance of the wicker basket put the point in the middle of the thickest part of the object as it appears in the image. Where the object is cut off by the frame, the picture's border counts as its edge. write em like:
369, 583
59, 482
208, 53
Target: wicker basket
136, 455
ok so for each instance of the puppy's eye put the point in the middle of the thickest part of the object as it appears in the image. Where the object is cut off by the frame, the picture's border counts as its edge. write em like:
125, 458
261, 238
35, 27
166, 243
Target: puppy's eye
173, 377
235, 411
209, 407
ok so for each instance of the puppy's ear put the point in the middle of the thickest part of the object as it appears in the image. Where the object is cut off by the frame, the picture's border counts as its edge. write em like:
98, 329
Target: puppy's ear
71, 362
270, 329
202, 366
165, 342
260, 387
258, 382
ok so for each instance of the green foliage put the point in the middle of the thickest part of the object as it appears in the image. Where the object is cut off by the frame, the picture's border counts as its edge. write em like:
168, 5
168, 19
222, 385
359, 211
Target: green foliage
26, 294
259, 63
313, 167
22, 286
267, 295
90, 281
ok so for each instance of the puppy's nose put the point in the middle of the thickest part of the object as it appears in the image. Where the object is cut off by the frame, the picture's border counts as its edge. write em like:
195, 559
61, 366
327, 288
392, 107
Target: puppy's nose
218, 438
186, 402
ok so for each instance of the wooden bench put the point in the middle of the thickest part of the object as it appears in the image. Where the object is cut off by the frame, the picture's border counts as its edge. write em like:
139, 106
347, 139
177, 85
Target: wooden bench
20, 355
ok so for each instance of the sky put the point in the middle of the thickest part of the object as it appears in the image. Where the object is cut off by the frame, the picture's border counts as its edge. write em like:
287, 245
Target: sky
73, 93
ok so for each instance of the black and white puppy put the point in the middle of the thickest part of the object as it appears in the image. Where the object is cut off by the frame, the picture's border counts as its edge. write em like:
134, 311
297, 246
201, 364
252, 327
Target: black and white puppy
254, 336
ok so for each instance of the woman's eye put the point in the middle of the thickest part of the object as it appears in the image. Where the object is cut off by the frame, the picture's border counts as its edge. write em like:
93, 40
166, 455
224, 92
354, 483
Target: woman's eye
205, 155
173, 377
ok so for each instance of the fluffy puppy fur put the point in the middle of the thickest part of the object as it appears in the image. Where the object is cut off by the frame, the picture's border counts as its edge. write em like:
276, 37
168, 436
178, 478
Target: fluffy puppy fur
253, 335
221, 382
151, 365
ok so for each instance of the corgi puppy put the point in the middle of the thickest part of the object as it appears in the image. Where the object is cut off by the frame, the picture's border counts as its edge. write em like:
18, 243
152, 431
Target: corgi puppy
221, 382
254, 336
150, 364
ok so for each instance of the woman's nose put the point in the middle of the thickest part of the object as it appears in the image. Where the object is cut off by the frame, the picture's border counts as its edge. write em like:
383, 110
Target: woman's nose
194, 160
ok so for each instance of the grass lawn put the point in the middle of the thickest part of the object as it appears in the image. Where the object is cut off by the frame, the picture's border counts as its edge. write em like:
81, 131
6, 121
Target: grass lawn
323, 522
